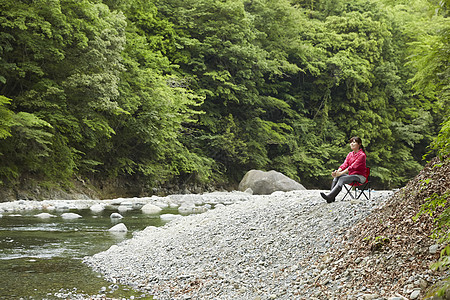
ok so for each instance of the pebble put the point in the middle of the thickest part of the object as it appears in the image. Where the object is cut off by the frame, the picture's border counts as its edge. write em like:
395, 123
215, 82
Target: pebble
433, 249
238, 246
415, 295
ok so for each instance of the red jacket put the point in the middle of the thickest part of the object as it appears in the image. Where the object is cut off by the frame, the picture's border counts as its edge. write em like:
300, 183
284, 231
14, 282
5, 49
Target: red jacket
356, 163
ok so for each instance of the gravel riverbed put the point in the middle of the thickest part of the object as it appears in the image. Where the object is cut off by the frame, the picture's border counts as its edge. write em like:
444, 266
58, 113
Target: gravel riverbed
266, 247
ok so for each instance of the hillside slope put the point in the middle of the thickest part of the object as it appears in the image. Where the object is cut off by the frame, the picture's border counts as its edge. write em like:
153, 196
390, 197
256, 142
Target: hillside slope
388, 253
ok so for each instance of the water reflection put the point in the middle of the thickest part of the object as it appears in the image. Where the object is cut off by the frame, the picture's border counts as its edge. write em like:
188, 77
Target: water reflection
40, 257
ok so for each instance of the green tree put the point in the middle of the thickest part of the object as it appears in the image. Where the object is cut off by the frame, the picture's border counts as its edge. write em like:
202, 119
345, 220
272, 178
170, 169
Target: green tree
360, 88
60, 62
151, 91
147, 144
220, 51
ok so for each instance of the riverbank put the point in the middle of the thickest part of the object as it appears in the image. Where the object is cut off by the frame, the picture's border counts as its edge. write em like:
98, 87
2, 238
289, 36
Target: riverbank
268, 247
291, 246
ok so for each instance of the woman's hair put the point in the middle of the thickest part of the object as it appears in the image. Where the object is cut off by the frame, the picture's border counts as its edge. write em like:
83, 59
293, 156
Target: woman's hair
359, 141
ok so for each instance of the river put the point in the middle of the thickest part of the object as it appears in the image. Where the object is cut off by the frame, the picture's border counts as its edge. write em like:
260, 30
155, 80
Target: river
42, 258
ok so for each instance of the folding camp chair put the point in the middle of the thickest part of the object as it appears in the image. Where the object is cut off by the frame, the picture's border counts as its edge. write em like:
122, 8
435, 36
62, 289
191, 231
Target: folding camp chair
358, 188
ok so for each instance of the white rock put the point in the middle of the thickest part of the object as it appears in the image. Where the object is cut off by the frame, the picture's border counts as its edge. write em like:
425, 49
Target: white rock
116, 216
82, 205
126, 203
73, 206
169, 217
162, 205
265, 183
199, 209
151, 209
97, 208
199, 201
70, 216
116, 201
119, 228
122, 208
277, 193
45, 216
61, 207
49, 208
173, 205
186, 208
249, 191
433, 249
415, 295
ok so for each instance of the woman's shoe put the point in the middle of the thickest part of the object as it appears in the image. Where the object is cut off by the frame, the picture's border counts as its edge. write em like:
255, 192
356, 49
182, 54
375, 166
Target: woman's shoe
329, 199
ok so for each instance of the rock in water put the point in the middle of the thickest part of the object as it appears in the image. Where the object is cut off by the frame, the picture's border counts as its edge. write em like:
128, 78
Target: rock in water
96, 208
70, 216
119, 228
116, 216
265, 183
123, 208
151, 209
45, 216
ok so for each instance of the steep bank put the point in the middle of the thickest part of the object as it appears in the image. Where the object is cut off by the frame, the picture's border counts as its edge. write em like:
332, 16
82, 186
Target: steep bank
32, 189
79, 189
388, 251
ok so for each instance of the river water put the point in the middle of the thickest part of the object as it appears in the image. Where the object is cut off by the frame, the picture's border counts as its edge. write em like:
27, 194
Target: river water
42, 258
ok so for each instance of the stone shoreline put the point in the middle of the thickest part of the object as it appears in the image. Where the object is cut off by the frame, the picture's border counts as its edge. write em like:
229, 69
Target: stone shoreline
260, 247
186, 204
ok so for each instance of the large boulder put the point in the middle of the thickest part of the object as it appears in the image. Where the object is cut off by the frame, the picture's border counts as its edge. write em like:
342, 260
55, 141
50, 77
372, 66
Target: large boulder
265, 183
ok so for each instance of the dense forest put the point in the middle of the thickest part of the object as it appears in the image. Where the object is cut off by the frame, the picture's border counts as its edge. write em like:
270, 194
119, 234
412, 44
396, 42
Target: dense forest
181, 91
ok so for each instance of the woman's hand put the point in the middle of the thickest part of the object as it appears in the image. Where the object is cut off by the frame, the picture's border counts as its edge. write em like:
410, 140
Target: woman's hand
337, 173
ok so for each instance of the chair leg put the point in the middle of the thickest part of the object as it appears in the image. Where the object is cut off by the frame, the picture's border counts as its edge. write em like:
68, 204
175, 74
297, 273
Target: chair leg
348, 192
363, 189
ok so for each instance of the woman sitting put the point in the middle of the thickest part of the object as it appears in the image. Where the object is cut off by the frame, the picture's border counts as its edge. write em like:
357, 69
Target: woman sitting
353, 169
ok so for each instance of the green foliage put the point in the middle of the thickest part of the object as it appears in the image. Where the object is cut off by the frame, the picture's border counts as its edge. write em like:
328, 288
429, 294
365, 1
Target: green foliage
26, 147
147, 137
5, 118
59, 62
442, 142
430, 56
160, 90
